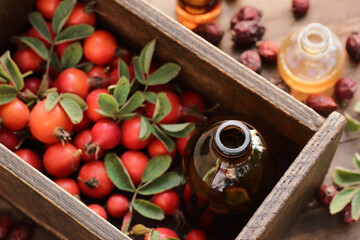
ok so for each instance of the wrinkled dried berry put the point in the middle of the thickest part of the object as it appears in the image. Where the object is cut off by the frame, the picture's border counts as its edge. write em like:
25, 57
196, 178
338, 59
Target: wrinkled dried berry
326, 194
245, 13
322, 104
246, 32
5, 224
353, 46
280, 83
210, 32
345, 88
251, 60
300, 7
21, 231
346, 214
268, 51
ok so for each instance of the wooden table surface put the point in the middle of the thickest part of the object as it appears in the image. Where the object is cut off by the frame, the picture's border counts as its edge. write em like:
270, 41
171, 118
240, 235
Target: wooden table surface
342, 17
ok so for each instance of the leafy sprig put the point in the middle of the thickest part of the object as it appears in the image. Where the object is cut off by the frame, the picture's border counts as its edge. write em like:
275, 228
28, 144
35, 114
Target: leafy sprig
350, 182
73, 52
119, 106
154, 180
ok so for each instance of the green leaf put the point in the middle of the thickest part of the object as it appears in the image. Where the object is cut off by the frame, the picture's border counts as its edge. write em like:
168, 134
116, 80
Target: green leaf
118, 173
55, 62
38, 22
123, 69
357, 107
86, 66
148, 209
121, 91
159, 134
139, 75
145, 130
352, 125
72, 55
151, 97
342, 199
62, 14
108, 104
74, 33
4, 75
146, 56
344, 177
7, 93
165, 182
154, 235
72, 109
51, 101
37, 45
12, 70
76, 98
135, 101
356, 160
355, 206
162, 107
179, 130
164, 74
156, 167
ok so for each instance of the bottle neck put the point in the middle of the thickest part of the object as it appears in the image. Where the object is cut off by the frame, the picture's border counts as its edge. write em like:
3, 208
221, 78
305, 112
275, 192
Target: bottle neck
232, 139
315, 38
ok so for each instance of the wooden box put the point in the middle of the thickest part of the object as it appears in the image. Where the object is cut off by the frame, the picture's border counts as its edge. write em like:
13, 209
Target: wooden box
303, 141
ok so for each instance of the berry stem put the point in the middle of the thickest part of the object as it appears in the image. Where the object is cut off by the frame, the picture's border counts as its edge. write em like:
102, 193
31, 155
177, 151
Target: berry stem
131, 207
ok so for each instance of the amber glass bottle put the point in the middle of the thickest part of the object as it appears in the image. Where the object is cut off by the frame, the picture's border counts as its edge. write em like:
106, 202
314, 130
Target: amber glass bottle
311, 59
194, 12
227, 162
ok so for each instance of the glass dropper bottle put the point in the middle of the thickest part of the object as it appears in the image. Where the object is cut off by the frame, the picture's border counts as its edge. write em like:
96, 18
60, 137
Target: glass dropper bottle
311, 59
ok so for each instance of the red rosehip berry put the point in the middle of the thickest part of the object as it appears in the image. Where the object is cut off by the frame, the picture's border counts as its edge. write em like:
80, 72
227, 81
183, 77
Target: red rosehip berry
345, 88
322, 104
268, 51
164, 233
245, 13
300, 7
347, 216
211, 32
117, 205
326, 194
6, 223
99, 210
168, 201
245, 33
251, 60
196, 235
353, 46
21, 231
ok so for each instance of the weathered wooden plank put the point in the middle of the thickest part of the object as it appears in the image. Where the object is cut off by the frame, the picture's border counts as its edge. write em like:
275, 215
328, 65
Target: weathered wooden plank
295, 188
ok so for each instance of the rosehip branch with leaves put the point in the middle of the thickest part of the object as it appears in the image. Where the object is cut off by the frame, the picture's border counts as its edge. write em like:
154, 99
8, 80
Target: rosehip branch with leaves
349, 196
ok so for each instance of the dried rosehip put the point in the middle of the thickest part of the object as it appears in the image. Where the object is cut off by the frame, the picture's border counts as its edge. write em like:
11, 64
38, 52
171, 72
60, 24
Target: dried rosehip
268, 51
353, 46
345, 88
251, 60
5, 224
300, 7
280, 83
210, 32
346, 214
22, 231
247, 32
326, 194
245, 13
322, 104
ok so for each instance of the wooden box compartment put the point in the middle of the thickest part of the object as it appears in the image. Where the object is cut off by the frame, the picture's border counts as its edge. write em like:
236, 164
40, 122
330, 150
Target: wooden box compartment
302, 141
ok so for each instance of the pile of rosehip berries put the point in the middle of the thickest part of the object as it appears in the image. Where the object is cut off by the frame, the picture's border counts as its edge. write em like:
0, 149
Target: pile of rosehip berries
56, 106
